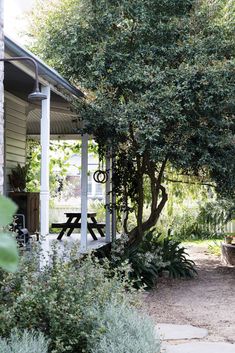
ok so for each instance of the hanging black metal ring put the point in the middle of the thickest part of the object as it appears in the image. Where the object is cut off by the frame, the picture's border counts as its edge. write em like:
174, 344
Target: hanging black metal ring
100, 176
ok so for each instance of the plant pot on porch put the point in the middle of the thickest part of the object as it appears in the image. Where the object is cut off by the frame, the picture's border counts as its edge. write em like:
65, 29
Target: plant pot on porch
18, 178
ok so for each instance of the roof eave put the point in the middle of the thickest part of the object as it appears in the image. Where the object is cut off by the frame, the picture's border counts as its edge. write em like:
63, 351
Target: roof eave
44, 69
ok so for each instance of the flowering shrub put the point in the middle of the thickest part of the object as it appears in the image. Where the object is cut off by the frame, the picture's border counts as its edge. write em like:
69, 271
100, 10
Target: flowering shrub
65, 301
147, 260
142, 265
177, 261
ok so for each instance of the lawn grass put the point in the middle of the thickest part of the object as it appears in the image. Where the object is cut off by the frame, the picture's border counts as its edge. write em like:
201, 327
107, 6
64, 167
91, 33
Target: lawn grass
202, 242
213, 245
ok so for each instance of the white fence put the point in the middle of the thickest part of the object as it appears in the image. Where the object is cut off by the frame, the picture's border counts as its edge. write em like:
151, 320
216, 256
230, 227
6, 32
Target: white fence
57, 213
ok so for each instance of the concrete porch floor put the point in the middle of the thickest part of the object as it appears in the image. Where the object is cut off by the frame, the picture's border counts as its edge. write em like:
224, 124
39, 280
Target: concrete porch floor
66, 244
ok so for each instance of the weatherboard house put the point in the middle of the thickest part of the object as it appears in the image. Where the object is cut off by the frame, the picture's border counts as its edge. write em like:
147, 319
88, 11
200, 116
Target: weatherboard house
43, 115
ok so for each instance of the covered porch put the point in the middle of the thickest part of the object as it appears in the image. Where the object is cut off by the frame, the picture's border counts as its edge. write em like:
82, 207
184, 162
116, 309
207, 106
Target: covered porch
53, 118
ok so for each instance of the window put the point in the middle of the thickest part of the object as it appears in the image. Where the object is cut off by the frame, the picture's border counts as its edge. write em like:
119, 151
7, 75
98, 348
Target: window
99, 189
89, 185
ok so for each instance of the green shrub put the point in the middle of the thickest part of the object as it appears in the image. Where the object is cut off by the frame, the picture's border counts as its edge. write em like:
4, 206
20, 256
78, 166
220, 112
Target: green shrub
25, 342
61, 301
179, 264
206, 220
148, 259
141, 268
125, 331
173, 255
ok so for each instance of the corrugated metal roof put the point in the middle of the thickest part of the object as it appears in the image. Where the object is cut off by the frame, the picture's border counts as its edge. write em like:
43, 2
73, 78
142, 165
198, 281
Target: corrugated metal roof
61, 124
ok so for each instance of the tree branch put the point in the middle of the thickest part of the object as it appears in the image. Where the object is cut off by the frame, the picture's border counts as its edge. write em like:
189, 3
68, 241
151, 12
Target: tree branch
189, 182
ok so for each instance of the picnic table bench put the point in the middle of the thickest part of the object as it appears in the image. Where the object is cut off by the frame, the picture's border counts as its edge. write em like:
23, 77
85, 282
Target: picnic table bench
74, 222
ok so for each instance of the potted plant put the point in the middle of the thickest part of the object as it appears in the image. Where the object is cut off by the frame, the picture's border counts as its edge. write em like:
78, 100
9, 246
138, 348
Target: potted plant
18, 177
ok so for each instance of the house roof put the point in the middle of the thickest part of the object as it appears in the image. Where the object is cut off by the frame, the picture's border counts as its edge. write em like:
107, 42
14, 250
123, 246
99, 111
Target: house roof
19, 81
45, 72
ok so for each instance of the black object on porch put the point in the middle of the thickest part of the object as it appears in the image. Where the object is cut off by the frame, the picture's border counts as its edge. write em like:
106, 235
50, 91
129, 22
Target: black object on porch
74, 222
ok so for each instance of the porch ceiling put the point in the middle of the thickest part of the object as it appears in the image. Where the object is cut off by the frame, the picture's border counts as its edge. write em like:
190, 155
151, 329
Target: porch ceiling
20, 85
62, 124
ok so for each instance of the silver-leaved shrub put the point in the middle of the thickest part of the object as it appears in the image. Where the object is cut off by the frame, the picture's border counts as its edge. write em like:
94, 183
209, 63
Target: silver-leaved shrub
125, 330
24, 342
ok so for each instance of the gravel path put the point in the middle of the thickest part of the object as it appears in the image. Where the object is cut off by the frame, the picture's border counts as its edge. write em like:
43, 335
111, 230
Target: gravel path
207, 301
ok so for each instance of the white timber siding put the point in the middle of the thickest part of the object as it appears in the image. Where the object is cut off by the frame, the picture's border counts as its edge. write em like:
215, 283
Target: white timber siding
15, 134
1, 101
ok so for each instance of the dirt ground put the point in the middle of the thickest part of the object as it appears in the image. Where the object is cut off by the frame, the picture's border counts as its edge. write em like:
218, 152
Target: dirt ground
207, 301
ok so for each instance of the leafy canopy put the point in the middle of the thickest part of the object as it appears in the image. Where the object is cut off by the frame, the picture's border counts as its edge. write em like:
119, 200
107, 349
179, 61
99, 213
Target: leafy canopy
160, 81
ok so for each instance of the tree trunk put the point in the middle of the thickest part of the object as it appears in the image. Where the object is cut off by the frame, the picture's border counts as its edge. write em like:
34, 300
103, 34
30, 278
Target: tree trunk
136, 235
140, 205
125, 212
1, 100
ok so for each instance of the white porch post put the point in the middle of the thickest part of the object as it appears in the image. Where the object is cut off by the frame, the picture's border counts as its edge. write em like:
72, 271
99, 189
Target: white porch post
107, 201
84, 181
45, 147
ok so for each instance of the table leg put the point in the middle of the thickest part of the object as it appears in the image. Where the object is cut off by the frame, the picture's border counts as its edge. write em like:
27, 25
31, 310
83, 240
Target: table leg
75, 223
97, 227
64, 229
91, 232
61, 233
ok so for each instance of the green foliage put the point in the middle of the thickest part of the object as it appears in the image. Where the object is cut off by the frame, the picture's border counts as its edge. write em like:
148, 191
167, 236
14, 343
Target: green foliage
8, 252
206, 220
214, 248
60, 152
160, 82
99, 208
217, 212
8, 247
143, 267
125, 330
179, 264
150, 258
8, 208
62, 301
18, 177
193, 211
26, 342
174, 256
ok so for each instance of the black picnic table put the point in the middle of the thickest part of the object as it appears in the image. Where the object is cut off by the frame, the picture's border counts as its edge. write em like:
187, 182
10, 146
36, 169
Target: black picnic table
74, 222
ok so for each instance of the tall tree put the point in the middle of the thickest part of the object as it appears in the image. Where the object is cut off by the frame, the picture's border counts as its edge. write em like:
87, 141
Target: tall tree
160, 80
